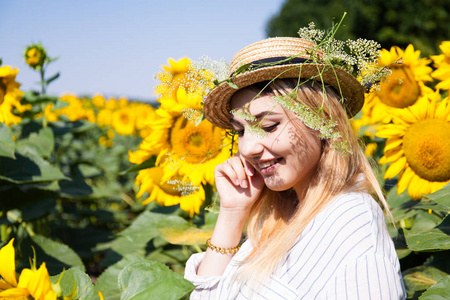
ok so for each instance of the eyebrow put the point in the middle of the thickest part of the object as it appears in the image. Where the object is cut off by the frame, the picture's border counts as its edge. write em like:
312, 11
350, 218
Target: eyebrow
257, 116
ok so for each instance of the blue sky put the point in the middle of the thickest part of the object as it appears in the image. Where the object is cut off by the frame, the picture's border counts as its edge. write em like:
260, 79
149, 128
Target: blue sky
116, 47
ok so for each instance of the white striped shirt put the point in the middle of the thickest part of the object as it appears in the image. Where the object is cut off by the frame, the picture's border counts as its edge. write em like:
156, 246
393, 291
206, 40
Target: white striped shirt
345, 252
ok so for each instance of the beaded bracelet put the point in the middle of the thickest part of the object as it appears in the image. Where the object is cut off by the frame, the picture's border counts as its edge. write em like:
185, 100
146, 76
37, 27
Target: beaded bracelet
222, 250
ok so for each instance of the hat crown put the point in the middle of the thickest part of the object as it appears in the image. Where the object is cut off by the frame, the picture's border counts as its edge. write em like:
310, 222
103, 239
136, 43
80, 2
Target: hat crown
277, 47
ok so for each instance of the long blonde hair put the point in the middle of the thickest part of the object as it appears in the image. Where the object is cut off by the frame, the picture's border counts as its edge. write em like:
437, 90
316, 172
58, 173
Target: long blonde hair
278, 218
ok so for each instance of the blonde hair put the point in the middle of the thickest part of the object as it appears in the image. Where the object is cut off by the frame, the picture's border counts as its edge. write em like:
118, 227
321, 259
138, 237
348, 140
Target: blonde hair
277, 218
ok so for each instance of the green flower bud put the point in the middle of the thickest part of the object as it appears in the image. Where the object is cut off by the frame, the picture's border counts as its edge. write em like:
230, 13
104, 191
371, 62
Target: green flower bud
35, 56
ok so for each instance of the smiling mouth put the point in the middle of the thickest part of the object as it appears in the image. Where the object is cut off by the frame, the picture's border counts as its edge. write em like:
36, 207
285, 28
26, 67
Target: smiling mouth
268, 166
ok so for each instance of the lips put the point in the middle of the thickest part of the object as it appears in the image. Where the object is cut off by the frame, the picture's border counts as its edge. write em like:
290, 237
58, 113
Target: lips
268, 165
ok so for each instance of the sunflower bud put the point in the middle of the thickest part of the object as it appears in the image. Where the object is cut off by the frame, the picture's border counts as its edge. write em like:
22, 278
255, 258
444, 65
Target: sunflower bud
35, 56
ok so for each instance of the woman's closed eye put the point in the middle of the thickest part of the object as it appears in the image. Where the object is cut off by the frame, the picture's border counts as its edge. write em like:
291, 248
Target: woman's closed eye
271, 128
240, 132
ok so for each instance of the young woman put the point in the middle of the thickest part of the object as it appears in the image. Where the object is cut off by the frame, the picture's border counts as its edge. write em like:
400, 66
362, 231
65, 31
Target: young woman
313, 229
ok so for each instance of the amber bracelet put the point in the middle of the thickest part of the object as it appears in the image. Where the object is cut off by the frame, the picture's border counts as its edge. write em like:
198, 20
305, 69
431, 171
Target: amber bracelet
222, 250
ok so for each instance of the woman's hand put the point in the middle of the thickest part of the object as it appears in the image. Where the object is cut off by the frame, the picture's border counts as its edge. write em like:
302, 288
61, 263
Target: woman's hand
238, 184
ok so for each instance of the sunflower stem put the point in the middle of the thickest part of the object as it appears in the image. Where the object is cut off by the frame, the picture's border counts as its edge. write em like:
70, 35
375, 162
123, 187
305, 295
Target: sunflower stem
197, 248
4, 233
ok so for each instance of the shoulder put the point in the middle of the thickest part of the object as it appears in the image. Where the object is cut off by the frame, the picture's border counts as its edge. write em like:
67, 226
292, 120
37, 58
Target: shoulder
352, 225
350, 230
348, 210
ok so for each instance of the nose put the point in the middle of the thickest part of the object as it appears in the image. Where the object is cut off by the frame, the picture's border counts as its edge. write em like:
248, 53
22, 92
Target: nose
250, 146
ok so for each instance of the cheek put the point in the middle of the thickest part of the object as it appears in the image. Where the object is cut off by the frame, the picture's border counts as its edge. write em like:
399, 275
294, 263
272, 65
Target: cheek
304, 143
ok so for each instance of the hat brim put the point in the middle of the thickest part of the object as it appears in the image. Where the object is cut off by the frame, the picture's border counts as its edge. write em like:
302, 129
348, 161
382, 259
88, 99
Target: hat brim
217, 105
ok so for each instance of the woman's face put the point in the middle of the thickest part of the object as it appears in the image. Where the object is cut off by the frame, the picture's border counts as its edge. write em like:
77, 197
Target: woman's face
287, 156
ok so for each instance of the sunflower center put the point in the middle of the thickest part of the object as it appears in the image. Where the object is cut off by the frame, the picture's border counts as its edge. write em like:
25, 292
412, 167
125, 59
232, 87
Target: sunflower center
427, 149
196, 140
124, 118
196, 144
401, 90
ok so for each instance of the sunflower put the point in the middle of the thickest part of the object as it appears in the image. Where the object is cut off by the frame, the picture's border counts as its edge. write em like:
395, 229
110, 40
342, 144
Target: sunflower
173, 76
418, 146
442, 63
145, 116
187, 148
159, 190
78, 109
192, 149
98, 101
123, 120
35, 56
10, 96
402, 89
32, 282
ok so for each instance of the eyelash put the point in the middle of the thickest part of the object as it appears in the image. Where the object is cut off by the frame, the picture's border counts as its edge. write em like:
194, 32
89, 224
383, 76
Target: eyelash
240, 133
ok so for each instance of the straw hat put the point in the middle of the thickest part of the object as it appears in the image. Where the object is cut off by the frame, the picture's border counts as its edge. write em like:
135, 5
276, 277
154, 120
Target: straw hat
276, 51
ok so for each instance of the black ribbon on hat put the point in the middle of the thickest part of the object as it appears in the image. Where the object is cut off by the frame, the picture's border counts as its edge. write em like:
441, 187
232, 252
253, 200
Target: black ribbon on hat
275, 61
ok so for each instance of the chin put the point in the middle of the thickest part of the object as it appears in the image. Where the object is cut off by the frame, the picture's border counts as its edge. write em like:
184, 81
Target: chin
277, 184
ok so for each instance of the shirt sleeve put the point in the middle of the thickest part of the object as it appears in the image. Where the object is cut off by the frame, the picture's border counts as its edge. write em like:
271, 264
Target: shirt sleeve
205, 286
370, 277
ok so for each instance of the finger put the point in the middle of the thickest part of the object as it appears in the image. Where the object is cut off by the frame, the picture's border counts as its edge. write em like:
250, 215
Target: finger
226, 170
239, 169
249, 169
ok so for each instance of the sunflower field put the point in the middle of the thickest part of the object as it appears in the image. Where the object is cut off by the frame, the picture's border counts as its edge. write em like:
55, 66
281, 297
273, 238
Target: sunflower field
105, 198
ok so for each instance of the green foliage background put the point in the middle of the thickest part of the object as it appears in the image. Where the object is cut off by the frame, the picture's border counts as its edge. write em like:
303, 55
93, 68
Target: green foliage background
423, 23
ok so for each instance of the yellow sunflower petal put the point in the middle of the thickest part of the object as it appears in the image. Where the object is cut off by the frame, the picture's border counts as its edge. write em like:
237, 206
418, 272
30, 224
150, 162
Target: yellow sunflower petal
420, 108
436, 186
8, 264
388, 131
14, 293
393, 155
395, 168
414, 189
443, 109
404, 180
393, 143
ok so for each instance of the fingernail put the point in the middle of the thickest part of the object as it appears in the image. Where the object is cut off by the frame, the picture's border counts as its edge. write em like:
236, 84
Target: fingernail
236, 182
244, 183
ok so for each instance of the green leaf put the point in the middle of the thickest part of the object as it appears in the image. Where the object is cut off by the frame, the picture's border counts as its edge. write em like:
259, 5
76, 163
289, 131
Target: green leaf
83, 126
439, 291
398, 201
28, 168
59, 251
421, 278
242, 69
178, 231
152, 280
442, 196
402, 253
107, 281
40, 143
7, 146
54, 77
75, 283
424, 220
437, 238
231, 84
60, 104
35, 98
149, 163
135, 237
